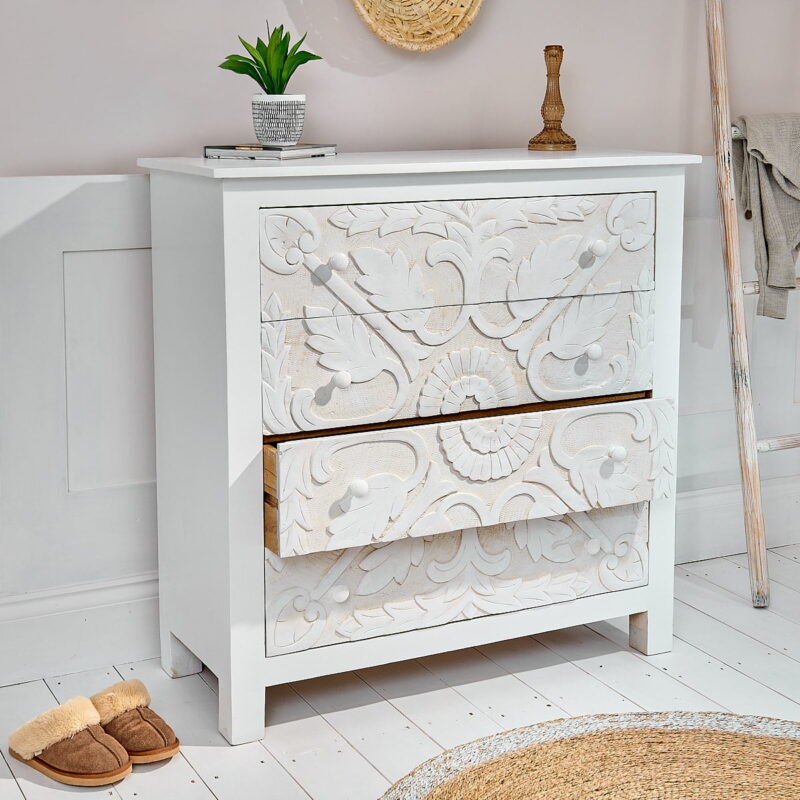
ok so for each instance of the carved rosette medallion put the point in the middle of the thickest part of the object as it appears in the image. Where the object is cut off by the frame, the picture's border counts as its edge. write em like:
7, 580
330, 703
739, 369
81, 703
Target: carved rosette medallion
489, 449
475, 374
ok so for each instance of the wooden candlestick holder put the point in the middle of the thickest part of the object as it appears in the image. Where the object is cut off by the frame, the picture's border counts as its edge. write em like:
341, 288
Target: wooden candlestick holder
551, 136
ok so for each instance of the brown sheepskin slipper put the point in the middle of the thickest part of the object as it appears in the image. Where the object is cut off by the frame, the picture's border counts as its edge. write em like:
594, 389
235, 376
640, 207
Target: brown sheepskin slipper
68, 745
125, 714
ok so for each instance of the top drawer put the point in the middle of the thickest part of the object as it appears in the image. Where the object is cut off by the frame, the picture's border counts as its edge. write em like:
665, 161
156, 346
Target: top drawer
399, 257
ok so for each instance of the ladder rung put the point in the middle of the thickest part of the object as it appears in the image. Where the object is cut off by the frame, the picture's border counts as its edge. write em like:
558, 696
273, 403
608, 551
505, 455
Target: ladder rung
752, 287
786, 442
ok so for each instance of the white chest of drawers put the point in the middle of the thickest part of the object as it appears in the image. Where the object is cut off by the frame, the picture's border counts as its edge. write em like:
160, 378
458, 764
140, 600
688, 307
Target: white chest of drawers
409, 403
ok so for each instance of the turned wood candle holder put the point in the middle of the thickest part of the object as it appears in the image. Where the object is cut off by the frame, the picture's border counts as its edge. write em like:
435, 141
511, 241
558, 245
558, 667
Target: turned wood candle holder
551, 136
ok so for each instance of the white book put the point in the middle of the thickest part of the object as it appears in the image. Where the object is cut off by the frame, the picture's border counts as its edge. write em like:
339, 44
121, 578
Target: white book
261, 152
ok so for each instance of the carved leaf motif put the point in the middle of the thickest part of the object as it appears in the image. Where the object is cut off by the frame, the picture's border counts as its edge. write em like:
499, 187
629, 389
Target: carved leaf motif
345, 344
366, 517
641, 344
549, 210
548, 538
604, 482
390, 218
358, 219
471, 594
390, 282
298, 618
632, 217
662, 436
287, 236
273, 561
276, 385
544, 274
471, 553
505, 215
626, 565
389, 562
583, 323
295, 489
398, 218
549, 589
574, 209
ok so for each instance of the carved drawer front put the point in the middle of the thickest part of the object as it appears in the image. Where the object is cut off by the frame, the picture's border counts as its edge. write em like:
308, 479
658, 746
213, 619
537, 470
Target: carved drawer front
403, 257
354, 489
330, 372
379, 589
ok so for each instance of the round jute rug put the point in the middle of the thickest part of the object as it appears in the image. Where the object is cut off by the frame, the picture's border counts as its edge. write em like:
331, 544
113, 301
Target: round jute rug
672, 756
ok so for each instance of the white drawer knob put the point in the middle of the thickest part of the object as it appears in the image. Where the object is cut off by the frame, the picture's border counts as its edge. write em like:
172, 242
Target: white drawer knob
341, 380
359, 488
617, 453
338, 262
594, 351
598, 248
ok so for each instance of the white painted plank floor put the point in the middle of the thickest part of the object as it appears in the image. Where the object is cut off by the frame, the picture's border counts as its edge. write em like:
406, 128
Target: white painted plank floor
348, 737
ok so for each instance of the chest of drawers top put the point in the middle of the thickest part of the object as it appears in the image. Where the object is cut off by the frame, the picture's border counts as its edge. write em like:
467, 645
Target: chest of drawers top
418, 162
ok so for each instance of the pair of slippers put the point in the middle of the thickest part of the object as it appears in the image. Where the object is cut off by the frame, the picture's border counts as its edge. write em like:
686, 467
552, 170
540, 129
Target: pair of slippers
95, 741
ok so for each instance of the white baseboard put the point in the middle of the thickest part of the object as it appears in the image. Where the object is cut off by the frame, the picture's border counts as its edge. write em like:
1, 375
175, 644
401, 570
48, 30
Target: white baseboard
710, 522
78, 627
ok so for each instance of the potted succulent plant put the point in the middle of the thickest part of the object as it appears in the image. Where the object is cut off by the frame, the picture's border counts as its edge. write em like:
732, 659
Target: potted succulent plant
277, 117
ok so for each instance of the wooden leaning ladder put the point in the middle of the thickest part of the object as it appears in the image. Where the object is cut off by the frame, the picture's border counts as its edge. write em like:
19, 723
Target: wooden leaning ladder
749, 445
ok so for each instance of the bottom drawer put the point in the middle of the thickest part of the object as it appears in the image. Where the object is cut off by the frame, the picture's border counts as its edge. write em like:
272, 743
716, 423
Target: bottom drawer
361, 592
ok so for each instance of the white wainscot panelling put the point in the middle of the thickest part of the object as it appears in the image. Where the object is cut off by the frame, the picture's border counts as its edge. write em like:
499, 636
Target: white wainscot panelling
108, 317
709, 521
77, 491
705, 366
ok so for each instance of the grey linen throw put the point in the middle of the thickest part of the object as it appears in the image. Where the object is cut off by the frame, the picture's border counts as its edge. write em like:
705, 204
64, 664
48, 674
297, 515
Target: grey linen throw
767, 168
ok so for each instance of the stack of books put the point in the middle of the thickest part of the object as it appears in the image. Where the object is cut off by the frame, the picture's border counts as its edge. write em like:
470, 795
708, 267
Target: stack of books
263, 152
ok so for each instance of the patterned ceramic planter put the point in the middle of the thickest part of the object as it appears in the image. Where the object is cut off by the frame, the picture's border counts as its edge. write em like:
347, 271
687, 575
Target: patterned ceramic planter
278, 118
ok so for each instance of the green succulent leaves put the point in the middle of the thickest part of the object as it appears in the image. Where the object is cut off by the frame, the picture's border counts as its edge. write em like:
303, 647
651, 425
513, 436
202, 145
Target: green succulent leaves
271, 64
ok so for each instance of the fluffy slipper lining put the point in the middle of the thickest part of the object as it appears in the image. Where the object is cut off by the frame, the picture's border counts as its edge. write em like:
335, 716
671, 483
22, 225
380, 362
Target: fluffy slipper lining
119, 698
58, 723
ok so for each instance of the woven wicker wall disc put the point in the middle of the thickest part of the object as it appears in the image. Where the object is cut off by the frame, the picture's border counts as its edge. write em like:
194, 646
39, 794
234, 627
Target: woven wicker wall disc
418, 24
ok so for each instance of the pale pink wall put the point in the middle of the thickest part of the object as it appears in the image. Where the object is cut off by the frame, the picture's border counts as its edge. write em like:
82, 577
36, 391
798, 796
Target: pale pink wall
89, 85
